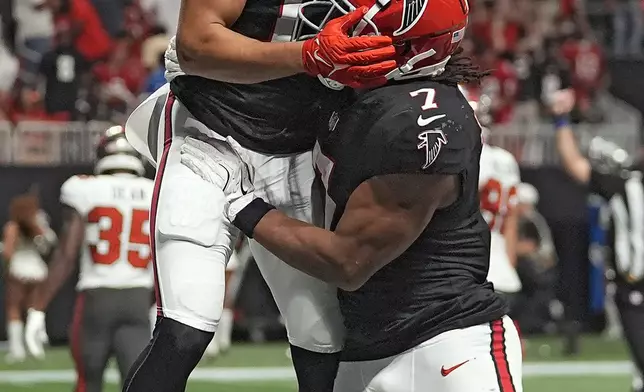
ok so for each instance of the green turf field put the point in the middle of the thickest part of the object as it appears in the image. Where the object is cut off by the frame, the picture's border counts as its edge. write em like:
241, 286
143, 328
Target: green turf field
589, 384
600, 367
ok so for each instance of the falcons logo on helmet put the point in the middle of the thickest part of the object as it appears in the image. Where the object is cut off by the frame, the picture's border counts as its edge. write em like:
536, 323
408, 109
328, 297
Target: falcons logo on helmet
412, 12
431, 141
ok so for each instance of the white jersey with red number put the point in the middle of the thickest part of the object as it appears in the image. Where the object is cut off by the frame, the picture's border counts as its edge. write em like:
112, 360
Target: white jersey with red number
116, 249
498, 180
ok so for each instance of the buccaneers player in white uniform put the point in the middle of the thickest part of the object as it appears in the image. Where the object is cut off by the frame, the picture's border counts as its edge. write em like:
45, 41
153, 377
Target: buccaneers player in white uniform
498, 180
106, 222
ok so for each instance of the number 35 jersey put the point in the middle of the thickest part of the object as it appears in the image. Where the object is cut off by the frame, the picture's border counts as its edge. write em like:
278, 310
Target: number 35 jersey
498, 180
116, 248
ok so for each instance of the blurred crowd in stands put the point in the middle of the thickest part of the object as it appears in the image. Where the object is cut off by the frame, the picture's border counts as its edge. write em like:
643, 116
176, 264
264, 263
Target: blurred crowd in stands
78, 60
93, 59
533, 49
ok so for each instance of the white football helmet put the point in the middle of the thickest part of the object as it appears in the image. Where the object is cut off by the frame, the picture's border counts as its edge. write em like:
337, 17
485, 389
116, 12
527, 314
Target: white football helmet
608, 156
114, 152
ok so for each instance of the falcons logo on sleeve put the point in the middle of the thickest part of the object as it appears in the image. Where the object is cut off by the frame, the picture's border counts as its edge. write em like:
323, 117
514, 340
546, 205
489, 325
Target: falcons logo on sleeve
431, 142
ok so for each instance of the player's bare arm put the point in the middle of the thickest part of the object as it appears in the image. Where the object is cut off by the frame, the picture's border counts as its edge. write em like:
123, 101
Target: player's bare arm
9, 239
511, 235
575, 164
64, 258
207, 47
384, 216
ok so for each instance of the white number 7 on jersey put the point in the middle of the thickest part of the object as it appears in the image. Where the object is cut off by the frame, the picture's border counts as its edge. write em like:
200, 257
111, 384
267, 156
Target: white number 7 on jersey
430, 97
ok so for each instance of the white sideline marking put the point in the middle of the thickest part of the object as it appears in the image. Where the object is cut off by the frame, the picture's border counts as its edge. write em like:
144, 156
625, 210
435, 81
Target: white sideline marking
553, 369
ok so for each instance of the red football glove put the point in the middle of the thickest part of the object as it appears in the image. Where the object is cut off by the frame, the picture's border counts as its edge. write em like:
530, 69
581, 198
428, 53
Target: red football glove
356, 62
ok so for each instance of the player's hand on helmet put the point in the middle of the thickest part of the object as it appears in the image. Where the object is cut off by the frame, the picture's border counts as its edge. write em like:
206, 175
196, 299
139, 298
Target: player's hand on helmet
35, 333
222, 163
358, 62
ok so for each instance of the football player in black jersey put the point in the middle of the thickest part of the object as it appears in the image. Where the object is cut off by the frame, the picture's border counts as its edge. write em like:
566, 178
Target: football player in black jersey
623, 189
234, 74
405, 241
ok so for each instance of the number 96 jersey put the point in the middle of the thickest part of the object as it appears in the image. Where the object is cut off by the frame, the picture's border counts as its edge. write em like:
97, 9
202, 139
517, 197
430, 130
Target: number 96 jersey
116, 249
498, 180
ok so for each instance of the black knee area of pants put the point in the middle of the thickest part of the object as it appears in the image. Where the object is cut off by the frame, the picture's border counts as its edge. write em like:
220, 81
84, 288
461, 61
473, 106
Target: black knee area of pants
315, 371
167, 361
632, 317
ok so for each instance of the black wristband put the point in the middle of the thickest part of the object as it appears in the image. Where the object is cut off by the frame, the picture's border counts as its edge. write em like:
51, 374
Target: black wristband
249, 216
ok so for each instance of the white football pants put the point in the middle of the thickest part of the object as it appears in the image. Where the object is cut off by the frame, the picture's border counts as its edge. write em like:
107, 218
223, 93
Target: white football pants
483, 358
192, 240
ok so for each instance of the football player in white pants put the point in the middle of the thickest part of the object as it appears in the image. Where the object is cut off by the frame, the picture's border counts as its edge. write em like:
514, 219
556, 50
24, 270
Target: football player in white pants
404, 238
499, 178
222, 339
237, 71
193, 241
105, 230
498, 181
395, 286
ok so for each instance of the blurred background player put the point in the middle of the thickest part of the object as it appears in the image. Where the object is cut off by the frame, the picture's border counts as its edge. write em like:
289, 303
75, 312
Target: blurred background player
622, 187
536, 307
105, 221
498, 180
27, 240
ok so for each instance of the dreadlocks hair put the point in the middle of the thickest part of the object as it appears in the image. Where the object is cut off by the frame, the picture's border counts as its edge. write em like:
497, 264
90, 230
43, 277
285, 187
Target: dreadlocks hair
460, 69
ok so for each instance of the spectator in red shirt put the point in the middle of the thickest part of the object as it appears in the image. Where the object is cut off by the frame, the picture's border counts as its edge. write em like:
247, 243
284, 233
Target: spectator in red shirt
91, 39
587, 66
501, 86
138, 25
494, 26
29, 107
122, 76
479, 23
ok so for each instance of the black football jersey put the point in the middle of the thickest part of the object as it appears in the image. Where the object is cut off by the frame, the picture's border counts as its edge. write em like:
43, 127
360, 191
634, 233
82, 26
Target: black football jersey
439, 283
276, 116
624, 192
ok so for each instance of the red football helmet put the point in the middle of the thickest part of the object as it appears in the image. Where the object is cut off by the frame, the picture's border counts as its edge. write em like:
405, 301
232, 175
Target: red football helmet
425, 32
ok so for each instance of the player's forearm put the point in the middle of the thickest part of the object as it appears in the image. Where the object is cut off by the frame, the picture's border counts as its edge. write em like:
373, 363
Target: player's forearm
511, 238
310, 249
221, 54
574, 163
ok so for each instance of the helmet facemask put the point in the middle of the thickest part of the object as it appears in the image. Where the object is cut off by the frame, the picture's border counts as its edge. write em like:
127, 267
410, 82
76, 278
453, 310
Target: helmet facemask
415, 52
